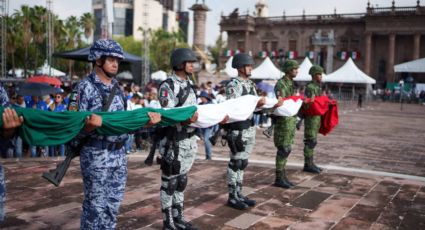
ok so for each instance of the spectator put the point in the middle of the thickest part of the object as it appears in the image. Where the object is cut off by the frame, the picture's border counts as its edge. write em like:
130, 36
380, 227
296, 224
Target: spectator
206, 132
132, 104
20, 103
57, 106
36, 103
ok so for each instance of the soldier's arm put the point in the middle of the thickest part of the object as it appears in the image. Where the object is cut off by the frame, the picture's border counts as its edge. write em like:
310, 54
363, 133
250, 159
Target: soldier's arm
232, 90
167, 98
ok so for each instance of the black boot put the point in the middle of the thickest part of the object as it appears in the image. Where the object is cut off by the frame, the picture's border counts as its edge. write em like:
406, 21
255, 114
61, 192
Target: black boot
168, 223
179, 220
282, 181
314, 165
234, 201
149, 159
243, 198
309, 166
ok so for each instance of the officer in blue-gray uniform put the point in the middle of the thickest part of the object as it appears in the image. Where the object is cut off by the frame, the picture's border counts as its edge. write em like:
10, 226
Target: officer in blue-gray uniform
10, 122
178, 145
240, 135
103, 159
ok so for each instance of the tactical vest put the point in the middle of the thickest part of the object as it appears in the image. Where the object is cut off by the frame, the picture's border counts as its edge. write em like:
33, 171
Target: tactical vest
183, 92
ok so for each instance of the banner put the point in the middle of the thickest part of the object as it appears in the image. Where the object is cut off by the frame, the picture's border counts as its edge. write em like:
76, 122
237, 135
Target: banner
292, 54
262, 54
310, 54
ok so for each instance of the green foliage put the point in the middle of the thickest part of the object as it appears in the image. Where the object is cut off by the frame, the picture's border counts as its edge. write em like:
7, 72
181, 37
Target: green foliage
161, 44
217, 50
130, 45
26, 38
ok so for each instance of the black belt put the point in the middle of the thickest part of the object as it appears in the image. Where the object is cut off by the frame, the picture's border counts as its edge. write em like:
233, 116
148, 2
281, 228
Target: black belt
239, 125
184, 135
102, 144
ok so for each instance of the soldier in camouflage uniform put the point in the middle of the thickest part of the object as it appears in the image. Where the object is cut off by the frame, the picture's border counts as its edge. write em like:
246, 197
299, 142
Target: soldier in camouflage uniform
284, 129
242, 132
10, 122
312, 123
103, 159
178, 146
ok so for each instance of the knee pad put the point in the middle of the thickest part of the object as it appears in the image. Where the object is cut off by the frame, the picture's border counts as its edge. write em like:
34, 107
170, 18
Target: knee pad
235, 164
244, 164
172, 185
284, 151
181, 183
311, 143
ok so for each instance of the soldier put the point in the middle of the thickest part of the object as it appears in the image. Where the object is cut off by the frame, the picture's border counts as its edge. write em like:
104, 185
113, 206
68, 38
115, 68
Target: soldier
10, 122
284, 129
312, 123
178, 146
241, 135
103, 159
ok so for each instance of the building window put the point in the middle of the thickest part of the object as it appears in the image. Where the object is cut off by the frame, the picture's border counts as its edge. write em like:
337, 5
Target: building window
274, 45
264, 46
344, 44
292, 45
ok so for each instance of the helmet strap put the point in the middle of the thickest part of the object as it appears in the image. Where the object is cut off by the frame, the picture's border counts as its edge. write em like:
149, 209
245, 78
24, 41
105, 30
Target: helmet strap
101, 66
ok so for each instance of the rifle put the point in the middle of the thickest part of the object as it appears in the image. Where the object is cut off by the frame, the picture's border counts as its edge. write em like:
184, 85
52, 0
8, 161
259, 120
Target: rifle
56, 175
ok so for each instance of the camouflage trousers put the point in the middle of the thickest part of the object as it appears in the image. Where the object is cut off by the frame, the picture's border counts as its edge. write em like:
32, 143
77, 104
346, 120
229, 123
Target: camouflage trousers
284, 132
312, 126
188, 149
248, 137
104, 176
2, 194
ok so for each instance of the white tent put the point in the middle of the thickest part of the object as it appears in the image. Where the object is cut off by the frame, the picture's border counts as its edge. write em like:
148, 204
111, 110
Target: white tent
349, 73
415, 66
266, 70
159, 75
303, 71
48, 70
231, 72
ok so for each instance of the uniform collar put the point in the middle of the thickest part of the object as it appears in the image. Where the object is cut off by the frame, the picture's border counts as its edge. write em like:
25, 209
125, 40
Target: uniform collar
243, 79
95, 79
286, 78
179, 79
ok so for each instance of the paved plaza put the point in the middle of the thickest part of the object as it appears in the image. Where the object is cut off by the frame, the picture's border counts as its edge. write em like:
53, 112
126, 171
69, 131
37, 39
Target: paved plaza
374, 178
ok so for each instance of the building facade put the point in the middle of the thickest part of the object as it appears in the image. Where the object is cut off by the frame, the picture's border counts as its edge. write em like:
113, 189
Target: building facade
376, 40
130, 15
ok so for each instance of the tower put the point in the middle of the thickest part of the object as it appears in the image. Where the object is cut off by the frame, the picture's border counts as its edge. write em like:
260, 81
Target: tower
261, 9
199, 18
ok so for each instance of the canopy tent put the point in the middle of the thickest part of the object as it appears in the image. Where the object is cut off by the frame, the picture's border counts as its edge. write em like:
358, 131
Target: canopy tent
159, 75
266, 70
231, 72
83, 53
415, 66
349, 73
303, 71
49, 71
125, 75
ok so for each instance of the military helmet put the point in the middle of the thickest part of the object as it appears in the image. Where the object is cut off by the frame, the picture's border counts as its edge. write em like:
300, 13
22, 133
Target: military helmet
105, 47
182, 55
315, 69
241, 59
290, 65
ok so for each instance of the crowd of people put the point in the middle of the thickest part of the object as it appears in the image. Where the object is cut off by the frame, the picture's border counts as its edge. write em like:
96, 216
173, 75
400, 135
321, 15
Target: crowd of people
103, 159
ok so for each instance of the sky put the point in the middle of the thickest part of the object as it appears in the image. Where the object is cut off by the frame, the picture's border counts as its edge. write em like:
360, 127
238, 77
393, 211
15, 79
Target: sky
66, 8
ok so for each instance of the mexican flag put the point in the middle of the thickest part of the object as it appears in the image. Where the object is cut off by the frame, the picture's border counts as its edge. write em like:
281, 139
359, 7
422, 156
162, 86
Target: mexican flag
292, 54
355, 55
310, 54
228, 53
273, 54
237, 51
343, 55
262, 54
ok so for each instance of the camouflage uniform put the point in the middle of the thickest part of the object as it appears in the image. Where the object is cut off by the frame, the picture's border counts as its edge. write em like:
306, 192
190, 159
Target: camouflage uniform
312, 123
284, 129
4, 101
103, 160
174, 184
238, 87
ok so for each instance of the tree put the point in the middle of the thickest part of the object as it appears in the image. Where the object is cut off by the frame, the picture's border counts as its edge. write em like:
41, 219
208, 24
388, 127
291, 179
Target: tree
217, 50
38, 27
25, 17
13, 37
161, 44
88, 23
73, 36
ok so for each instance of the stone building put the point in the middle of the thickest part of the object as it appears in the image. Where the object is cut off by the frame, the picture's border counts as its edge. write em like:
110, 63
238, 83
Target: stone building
376, 39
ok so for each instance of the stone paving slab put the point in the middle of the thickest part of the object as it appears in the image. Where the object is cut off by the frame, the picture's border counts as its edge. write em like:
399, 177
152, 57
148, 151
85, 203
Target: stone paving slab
364, 202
